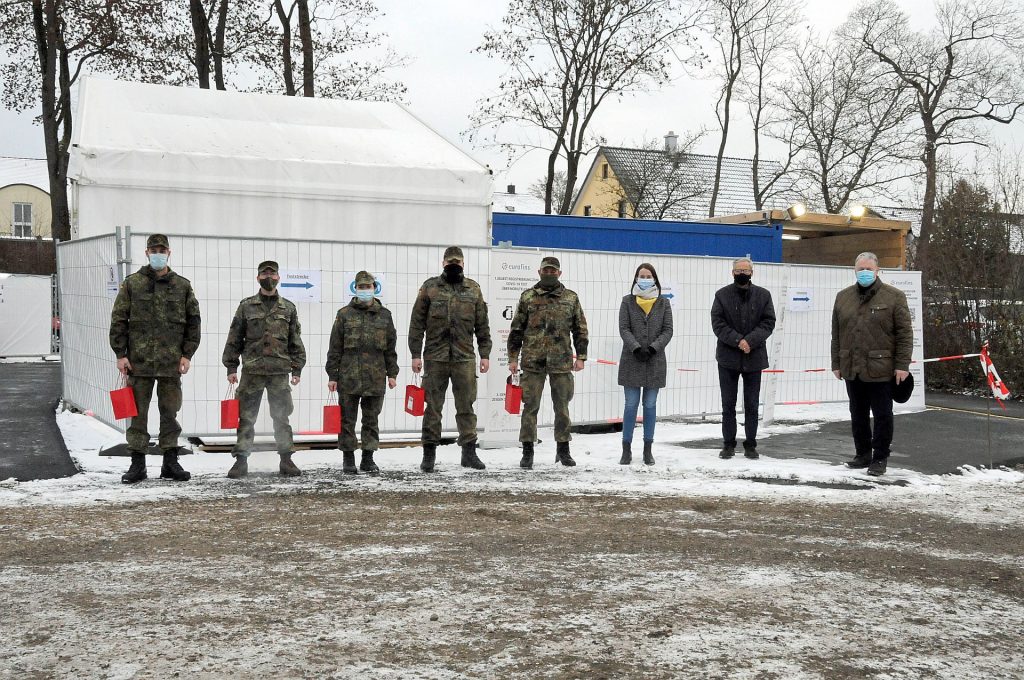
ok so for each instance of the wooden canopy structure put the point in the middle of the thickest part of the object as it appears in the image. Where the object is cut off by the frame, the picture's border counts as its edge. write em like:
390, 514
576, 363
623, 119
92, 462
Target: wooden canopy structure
822, 238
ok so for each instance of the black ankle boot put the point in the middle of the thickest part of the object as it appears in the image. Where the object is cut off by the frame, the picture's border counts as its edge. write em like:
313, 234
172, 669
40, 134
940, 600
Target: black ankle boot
137, 470
429, 456
648, 456
627, 453
367, 465
527, 461
171, 469
348, 463
469, 457
562, 454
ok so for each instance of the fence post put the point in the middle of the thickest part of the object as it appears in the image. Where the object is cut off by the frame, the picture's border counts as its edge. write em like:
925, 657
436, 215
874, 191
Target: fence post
771, 381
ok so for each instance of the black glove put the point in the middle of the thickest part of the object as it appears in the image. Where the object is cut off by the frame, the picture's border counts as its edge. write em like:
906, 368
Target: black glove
651, 352
641, 354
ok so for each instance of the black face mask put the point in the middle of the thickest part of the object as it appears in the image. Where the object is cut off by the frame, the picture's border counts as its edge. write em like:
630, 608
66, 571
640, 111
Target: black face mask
268, 284
741, 279
453, 273
548, 281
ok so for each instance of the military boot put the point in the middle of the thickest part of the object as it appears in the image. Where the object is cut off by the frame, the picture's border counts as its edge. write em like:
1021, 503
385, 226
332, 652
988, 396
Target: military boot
527, 461
287, 467
648, 456
429, 456
240, 468
171, 469
348, 463
469, 457
562, 454
366, 464
627, 453
137, 470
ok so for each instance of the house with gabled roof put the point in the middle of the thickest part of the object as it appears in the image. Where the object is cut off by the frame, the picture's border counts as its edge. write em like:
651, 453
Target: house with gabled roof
652, 183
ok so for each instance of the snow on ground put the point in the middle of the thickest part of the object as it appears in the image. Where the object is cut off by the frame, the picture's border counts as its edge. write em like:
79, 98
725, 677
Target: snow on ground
973, 493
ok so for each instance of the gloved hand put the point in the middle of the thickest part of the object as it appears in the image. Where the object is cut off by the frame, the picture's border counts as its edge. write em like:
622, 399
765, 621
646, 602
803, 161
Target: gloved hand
651, 352
641, 354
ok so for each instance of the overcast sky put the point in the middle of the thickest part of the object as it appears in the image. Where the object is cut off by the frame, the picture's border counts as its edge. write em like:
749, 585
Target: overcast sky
445, 79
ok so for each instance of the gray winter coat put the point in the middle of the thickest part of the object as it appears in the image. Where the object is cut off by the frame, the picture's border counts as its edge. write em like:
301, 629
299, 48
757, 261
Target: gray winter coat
642, 330
736, 317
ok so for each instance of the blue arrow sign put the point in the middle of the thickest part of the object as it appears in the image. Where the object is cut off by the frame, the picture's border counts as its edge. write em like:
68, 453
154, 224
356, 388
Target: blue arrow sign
803, 299
668, 295
304, 284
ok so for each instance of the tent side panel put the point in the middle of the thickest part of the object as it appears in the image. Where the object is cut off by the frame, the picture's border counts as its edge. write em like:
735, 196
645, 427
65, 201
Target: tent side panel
26, 308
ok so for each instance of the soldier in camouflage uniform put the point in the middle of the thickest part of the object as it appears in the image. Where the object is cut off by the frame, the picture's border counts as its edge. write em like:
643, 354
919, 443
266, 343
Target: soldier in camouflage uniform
154, 331
267, 336
546, 316
360, 360
449, 310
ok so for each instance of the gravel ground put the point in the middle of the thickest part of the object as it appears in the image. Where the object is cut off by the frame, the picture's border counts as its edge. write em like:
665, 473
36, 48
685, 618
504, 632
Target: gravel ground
339, 582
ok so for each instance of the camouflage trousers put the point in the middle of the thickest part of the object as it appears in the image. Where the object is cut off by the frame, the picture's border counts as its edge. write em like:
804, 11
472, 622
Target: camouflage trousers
250, 394
562, 386
436, 376
168, 400
370, 434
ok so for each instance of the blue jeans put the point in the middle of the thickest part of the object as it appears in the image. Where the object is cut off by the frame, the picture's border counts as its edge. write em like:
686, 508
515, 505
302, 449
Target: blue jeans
650, 412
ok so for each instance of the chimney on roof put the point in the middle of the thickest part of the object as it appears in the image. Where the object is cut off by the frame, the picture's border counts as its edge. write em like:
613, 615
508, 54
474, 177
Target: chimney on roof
511, 188
671, 140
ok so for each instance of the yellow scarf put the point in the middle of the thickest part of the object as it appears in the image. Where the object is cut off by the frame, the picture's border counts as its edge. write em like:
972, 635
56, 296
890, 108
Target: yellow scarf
645, 305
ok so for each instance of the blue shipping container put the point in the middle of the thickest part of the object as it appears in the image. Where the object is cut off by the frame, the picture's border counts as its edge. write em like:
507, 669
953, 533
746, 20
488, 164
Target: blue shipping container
761, 243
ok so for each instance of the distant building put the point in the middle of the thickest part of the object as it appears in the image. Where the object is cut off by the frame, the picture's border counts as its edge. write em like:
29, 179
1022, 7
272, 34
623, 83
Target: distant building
509, 201
24, 198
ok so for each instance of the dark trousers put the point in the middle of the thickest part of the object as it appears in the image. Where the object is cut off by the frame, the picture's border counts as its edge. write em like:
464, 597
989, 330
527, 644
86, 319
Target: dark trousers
729, 381
370, 434
871, 399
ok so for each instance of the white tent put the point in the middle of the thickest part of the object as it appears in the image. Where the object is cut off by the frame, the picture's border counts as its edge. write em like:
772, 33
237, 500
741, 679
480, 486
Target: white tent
26, 308
187, 160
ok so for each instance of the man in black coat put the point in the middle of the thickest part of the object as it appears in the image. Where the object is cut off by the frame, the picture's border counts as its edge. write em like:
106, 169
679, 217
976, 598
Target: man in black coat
742, 318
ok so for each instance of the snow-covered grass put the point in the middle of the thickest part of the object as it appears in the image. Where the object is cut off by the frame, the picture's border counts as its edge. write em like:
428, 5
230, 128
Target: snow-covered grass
680, 470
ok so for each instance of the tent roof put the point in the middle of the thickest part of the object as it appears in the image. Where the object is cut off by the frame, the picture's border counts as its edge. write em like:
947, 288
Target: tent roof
156, 136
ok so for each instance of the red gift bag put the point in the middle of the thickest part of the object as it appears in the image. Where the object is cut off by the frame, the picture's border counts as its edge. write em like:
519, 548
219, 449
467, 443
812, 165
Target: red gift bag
414, 399
229, 410
123, 400
513, 395
332, 416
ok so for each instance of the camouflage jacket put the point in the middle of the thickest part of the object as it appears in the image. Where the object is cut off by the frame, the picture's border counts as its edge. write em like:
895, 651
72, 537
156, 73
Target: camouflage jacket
268, 339
449, 315
155, 322
362, 355
541, 328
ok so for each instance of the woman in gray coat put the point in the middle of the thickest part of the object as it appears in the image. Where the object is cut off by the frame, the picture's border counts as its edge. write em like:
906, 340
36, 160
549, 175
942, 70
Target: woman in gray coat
645, 324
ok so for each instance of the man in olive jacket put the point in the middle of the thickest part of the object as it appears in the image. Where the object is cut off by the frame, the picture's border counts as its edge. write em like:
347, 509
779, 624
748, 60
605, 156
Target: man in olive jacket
742, 318
361, 359
549, 322
872, 344
266, 335
155, 331
449, 311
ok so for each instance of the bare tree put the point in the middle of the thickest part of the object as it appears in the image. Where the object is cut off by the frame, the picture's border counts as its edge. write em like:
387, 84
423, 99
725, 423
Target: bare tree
770, 41
539, 188
222, 32
661, 183
47, 46
847, 117
963, 72
339, 54
733, 21
565, 59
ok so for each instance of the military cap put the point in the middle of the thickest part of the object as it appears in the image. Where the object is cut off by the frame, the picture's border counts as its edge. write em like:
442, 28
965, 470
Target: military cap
157, 240
453, 253
365, 277
550, 262
267, 264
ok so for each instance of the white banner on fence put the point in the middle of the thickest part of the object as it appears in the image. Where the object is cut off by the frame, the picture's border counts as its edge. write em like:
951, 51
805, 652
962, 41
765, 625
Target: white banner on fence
25, 306
512, 272
300, 285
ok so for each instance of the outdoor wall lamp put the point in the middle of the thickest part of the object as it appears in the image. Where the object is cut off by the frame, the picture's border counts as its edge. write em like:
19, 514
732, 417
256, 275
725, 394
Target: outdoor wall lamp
796, 210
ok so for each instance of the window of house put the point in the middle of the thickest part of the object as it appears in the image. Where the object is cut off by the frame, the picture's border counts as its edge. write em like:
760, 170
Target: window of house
604, 171
586, 211
622, 208
22, 220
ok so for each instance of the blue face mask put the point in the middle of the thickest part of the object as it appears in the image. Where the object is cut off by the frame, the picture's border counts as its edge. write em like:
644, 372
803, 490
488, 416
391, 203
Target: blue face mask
157, 261
364, 295
865, 277
645, 284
